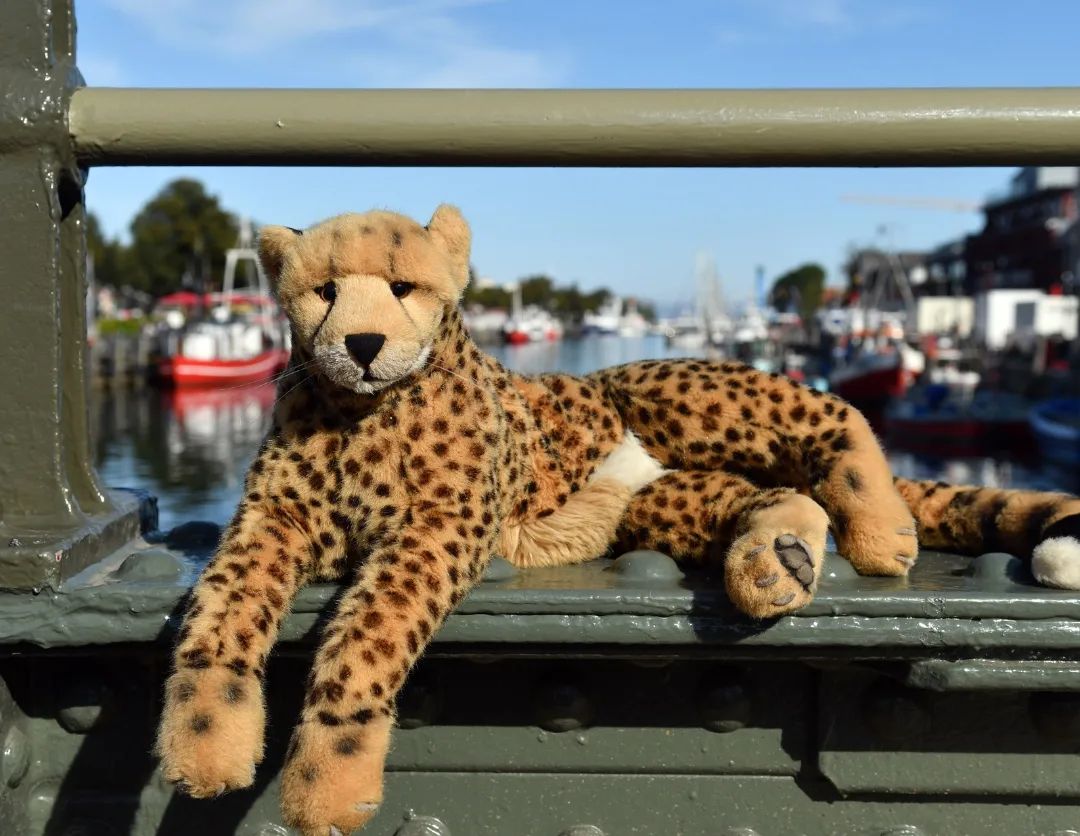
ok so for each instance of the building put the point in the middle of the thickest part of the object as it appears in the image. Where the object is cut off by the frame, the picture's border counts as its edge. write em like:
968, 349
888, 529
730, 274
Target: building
946, 270
1021, 317
1024, 242
1072, 245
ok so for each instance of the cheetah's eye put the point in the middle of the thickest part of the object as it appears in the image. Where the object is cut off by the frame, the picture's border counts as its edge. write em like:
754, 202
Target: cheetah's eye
327, 292
401, 289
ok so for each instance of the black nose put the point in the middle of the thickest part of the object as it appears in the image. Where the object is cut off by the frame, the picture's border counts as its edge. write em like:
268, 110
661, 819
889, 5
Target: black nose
364, 347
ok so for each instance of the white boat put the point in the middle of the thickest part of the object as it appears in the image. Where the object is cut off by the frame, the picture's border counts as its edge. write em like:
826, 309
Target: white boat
615, 317
604, 321
530, 323
688, 340
243, 339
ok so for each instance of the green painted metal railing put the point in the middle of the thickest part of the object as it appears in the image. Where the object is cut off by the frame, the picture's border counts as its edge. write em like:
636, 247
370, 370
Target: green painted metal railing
920, 127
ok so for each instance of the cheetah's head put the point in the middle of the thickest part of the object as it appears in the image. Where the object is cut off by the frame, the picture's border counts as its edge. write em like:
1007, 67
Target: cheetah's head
367, 293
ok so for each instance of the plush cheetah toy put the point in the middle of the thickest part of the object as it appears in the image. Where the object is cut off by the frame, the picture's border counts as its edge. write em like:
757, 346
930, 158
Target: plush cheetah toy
401, 458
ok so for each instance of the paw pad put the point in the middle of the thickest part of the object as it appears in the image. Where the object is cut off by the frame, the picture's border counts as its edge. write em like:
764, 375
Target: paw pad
794, 554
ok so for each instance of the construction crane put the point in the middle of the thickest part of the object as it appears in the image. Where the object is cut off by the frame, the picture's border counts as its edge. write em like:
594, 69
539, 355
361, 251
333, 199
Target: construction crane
942, 204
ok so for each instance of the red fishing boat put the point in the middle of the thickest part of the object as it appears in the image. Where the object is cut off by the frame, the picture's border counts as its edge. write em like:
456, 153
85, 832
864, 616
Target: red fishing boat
183, 370
874, 378
226, 339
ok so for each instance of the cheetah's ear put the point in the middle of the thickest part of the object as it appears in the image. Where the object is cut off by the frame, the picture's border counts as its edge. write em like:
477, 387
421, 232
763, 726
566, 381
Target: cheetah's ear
451, 232
274, 242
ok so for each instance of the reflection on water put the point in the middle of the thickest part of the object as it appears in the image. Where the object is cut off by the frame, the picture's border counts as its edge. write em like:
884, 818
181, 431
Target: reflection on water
188, 448
583, 356
191, 448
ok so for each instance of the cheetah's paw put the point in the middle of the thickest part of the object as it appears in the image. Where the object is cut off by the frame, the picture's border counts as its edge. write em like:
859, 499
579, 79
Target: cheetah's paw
211, 733
773, 568
878, 540
333, 780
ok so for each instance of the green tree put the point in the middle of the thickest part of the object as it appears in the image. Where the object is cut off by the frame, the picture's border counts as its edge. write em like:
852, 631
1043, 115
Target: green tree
112, 260
536, 290
181, 230
489, 297
801, 288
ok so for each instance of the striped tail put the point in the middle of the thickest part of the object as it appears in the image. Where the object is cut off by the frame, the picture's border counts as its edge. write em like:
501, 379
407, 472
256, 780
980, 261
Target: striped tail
1042, 527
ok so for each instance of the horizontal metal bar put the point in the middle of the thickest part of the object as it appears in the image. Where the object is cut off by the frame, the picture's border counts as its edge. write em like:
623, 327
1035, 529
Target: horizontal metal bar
613, 128
995, 675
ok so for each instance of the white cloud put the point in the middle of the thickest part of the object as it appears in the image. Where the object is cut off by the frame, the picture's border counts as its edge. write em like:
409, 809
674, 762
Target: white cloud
441, 52
406, 43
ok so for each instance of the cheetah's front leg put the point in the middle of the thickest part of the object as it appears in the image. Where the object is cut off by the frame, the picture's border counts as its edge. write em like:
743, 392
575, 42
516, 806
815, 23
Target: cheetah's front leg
210, 736
333, 777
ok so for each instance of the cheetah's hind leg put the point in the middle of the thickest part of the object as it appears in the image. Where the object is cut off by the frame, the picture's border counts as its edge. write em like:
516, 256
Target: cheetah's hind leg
771, 541
773, 566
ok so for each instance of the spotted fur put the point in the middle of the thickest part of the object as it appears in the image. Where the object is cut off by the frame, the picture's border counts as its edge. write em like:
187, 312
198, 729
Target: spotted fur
401, 457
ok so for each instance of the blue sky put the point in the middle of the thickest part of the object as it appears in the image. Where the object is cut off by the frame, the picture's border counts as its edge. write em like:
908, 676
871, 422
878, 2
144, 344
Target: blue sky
636, 231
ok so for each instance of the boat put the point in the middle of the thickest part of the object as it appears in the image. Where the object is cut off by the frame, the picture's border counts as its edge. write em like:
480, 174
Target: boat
616, 317
1056, 426
605, 321
937, 418
529, 323
532, 324
631, 323
686, 334
876, 375
230, 338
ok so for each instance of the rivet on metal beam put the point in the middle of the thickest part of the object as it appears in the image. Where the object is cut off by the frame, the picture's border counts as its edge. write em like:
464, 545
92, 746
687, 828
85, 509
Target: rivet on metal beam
422, 826
724, 701
562, 706
149, 565
81, 705
419, 703
15, 759
999, 568
41, 803
646, 567
499, 569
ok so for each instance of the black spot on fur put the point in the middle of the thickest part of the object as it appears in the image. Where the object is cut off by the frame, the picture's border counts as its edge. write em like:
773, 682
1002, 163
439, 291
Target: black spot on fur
1066, 527
234, 693
346, 745
185, 691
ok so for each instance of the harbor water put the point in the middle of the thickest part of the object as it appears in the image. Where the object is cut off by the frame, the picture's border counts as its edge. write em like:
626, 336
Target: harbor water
191, 448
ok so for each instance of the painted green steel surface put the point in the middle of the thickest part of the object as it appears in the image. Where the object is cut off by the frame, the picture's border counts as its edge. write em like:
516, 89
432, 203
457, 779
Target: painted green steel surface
955, 127
500, 745
950, 612
54, 516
